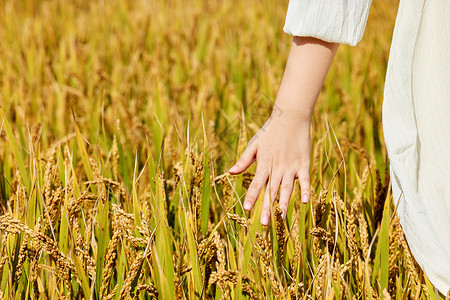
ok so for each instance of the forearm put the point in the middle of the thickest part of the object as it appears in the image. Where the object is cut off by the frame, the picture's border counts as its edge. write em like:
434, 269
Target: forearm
307, 66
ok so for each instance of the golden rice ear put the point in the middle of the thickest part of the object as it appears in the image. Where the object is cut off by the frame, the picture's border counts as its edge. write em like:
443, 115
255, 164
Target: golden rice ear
110, 257
131, 275
240, 220
115, 158
281, 232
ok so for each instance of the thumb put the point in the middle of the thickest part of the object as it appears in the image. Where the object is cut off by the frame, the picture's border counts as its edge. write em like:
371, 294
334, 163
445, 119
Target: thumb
246, 159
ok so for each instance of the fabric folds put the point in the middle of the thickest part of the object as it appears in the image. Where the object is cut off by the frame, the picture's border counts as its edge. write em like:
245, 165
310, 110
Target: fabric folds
339, 21
416, 128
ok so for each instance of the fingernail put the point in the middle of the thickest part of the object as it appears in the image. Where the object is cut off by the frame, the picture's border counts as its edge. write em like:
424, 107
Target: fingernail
304, 199
264, 219
233, 169
283, 215
247, 205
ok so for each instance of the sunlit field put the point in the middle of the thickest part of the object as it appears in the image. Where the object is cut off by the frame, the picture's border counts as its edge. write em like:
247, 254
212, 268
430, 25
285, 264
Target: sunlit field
118, 123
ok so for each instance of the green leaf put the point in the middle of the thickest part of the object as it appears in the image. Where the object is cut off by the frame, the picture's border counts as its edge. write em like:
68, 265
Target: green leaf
204, 208
82, 275
193, 256
103, 240
384, 247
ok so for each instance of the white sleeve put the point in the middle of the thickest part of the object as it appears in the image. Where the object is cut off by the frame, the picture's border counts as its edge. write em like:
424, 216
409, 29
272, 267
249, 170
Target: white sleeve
339, 21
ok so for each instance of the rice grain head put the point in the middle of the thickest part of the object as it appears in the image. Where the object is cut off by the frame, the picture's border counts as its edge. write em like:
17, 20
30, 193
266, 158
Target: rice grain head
115, 158
281, 232
131, 275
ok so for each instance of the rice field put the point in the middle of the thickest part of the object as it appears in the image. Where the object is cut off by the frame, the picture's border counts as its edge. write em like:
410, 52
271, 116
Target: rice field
118, 123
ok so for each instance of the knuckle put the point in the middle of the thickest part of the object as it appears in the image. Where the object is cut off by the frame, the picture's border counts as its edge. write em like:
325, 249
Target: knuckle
304, 178
286, 186
273, 197
305, 165
255, 185
284, 200
262, 157
273, 189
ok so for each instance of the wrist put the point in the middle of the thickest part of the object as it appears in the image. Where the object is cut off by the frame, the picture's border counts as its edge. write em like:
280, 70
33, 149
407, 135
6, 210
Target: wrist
292, 111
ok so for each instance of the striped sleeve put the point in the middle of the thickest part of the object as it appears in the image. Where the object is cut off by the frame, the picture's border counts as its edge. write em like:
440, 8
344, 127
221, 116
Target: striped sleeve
338, 21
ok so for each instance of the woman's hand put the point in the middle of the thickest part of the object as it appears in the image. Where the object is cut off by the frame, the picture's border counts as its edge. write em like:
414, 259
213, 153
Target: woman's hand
282, 151
282, 146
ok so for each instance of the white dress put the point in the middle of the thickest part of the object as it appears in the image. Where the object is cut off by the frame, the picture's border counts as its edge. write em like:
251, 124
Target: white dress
416, 113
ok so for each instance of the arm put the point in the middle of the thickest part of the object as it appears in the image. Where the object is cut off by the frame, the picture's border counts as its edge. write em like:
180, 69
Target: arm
282, 146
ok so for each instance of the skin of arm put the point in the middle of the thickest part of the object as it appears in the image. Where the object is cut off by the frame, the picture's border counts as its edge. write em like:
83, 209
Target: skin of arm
282, 146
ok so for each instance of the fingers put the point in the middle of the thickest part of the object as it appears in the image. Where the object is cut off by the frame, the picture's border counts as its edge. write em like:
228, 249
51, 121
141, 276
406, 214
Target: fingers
269, 196
254, 189
287, 185
246, 159
303, 178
